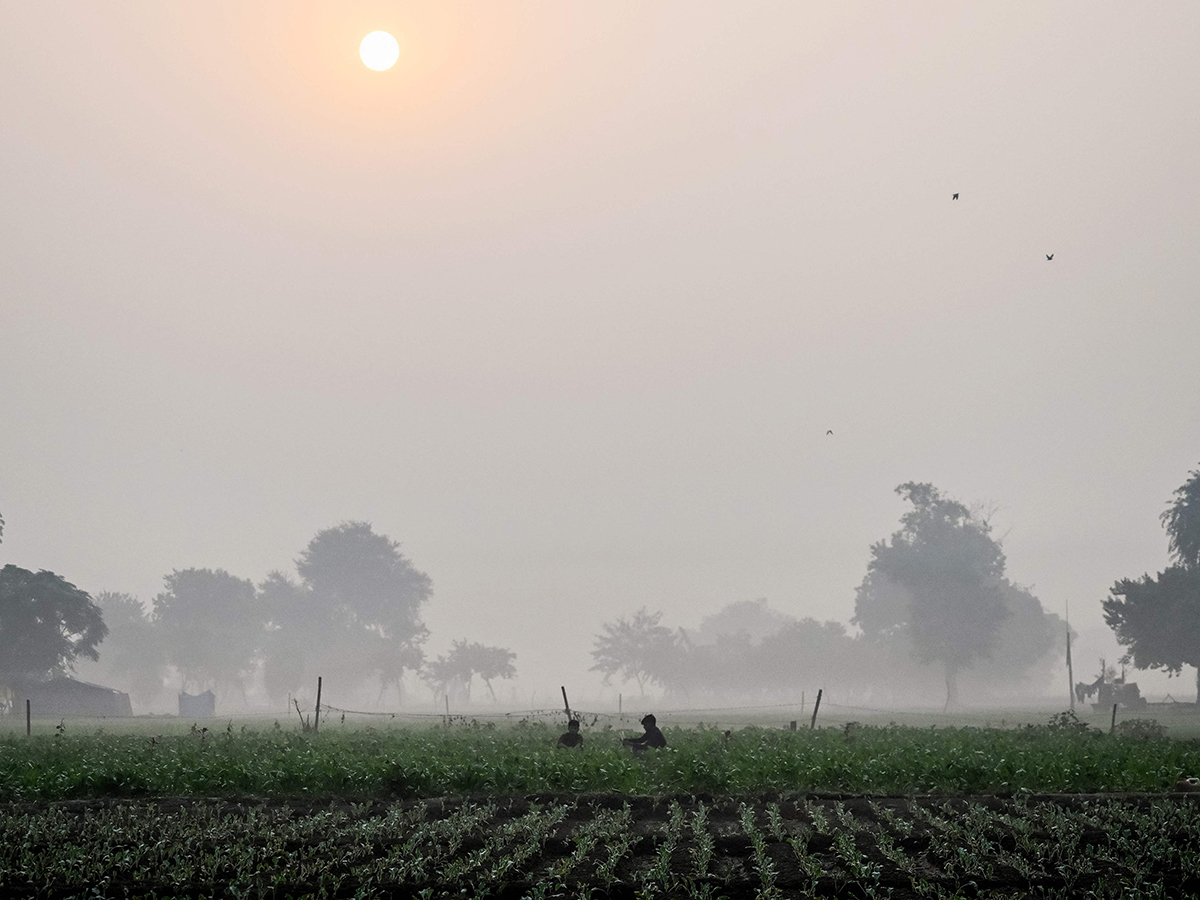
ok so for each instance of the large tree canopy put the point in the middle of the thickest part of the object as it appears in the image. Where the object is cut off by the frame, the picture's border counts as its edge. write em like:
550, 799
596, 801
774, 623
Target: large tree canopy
938, 583
46, 623
211, 626
363, 578
355, 610
1158, 619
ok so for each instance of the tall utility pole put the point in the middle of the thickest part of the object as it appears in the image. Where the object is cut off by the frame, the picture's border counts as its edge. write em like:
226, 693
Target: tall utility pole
1070, 671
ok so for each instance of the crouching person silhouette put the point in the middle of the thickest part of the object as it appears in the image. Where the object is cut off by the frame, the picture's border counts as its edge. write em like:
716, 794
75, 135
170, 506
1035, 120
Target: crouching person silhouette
652, 738
572, 737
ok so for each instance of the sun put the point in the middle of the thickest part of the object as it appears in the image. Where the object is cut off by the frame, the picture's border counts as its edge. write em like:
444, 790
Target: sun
379, 51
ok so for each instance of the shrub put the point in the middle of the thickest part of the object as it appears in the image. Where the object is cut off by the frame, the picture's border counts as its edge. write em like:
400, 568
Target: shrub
1142, 729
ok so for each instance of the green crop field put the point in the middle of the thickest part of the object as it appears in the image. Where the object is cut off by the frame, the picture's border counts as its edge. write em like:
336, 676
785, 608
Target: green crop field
406, 762
1057, 809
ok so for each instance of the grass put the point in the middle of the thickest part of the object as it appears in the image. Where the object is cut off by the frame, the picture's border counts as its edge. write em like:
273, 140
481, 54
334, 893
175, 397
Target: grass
408, 762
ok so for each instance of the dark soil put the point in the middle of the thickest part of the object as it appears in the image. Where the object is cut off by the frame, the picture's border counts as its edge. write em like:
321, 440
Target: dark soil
851, 846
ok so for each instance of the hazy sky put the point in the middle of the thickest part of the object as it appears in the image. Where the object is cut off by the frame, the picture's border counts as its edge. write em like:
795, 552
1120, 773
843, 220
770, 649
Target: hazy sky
567, 300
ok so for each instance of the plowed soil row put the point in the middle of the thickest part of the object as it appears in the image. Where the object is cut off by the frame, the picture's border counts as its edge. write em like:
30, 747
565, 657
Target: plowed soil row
772, 845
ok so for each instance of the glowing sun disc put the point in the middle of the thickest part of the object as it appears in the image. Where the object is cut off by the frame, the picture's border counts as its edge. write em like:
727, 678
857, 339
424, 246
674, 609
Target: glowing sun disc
379, 51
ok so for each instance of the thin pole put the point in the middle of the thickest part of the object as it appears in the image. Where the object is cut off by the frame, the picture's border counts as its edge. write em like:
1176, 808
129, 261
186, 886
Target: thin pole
317, 720
446, 697
621, 714
28, 722
1070, 670
1113, 725
566, 703
816, 706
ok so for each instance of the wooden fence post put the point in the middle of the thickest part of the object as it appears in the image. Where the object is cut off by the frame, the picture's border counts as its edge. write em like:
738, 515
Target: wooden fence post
317, 720
446, 697
816, 706
28, 722
1113, 725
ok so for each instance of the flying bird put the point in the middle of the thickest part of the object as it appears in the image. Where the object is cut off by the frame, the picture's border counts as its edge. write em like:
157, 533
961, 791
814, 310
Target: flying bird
830, 431
1049, 256
955, 197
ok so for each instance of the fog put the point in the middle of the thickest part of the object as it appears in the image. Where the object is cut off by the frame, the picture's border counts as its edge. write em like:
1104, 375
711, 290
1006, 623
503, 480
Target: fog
568, 302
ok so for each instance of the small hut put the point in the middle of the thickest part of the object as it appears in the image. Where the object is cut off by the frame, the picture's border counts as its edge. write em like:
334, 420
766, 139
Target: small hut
62, 697
197, 706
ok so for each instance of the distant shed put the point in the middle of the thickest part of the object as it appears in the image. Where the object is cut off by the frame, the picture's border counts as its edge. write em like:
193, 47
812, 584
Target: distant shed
197, 706
62, 697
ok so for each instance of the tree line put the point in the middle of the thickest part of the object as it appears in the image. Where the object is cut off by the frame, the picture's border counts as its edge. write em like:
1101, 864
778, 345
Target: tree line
936, 592
353, 607
936, 597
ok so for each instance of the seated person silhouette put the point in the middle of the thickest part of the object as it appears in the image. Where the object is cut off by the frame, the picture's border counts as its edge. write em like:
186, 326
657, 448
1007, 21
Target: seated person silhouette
572, 738
652, 738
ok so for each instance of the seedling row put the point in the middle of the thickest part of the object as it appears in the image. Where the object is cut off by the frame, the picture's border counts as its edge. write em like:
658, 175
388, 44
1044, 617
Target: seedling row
765, 846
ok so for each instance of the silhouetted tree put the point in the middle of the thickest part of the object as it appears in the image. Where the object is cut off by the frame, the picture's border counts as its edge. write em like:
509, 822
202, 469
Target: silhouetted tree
132, 652
938, 582
755, 618
211, 625
46, 623
294, 629
466, 660
366, 588
356, 611
803, 655
1182, 521
390, 659
1029, 643
364, 578
638, 650
1158, 619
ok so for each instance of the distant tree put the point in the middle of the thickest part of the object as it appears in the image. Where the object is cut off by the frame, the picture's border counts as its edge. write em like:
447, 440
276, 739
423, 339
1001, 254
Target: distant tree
446, 678
46, 623
491, 663
364, 579
363, 589
466, 660
638, 650
132, 652
391, 658
754, 618
938, 582
212, 626
1182, 521
355, 611
1029, 642
294, 627
803, 654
